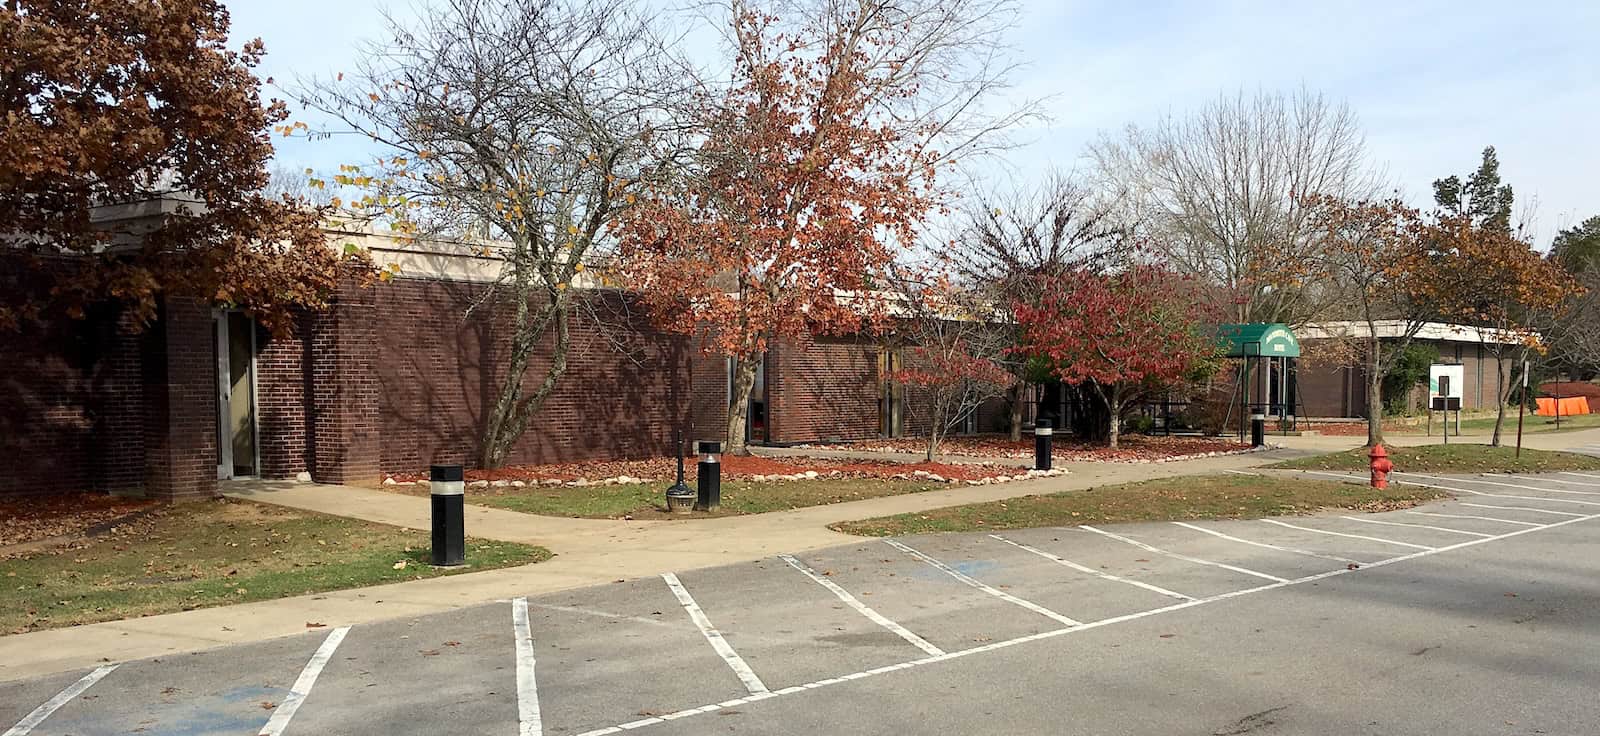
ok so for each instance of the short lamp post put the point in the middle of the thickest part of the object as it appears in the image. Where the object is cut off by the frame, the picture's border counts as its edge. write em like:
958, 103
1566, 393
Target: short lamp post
680, 499
709, 477
446, 486
1043, 438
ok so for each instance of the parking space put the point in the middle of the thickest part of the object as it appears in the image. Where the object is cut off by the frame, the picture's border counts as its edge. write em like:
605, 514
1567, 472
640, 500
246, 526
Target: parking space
942, 608
790, 629
630, 655
200, 693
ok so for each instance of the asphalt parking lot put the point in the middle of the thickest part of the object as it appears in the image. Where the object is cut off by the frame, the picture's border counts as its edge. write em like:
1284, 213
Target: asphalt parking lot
1479, 614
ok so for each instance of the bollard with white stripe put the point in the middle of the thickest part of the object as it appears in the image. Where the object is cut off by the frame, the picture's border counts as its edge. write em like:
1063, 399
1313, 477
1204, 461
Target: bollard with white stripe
447, 485
1042, 439
708, 479
1258, 429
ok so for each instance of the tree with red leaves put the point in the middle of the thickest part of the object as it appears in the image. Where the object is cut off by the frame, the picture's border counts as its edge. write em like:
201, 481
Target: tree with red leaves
818, 160
1117, 332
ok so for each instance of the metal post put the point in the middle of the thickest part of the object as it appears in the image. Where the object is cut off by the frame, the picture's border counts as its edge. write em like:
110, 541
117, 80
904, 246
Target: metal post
1043, 437
1258, 429
1522, 405
709, 477
679, 498
446, 486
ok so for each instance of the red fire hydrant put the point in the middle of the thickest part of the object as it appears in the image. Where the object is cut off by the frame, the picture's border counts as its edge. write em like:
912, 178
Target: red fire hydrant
1381, 467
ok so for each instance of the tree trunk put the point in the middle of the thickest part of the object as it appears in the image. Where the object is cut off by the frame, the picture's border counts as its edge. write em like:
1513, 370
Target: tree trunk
1014, 397
933, 443
1500, 399
1374, 394
744, 381
1115, 405
513, 411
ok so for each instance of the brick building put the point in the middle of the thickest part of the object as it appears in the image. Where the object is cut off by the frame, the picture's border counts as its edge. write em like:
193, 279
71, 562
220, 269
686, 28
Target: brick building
391, 377
1340, 390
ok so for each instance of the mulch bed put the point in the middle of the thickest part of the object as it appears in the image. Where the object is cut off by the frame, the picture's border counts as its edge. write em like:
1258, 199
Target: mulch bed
733, 468
1133, 449
30, 519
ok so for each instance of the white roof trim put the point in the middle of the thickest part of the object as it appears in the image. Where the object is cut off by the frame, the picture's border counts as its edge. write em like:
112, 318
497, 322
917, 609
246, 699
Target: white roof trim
1394, 329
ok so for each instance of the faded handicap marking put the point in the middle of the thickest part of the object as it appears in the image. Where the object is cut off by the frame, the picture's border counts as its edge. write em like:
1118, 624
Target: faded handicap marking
970, 568
240, 710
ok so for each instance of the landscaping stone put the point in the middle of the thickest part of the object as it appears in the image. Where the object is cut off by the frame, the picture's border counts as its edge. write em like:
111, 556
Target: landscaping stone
303, 477
390, 482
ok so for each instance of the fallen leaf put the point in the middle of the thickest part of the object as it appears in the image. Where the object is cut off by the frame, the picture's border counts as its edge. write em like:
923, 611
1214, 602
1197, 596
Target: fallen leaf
1168, 636
268, 705
314, 625
401, 565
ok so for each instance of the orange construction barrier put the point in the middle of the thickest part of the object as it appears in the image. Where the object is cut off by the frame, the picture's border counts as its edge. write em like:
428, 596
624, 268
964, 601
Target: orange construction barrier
1569, 407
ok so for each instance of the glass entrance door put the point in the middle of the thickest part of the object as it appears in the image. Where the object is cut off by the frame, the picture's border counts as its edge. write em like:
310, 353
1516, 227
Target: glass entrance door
235, 343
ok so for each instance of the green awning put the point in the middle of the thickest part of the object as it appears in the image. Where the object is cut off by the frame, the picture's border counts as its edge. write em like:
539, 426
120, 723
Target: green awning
1271, 339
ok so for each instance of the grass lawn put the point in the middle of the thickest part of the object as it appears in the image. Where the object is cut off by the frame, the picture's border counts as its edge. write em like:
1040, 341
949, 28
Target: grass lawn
1168, 499
648, 500
1485, 425
212, 553
1458, 458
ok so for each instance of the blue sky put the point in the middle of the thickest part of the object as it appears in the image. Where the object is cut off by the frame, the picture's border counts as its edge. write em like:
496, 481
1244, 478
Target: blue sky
1433, 82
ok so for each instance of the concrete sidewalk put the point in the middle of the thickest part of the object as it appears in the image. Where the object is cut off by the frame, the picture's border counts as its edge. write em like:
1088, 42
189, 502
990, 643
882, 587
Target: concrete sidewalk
588, 552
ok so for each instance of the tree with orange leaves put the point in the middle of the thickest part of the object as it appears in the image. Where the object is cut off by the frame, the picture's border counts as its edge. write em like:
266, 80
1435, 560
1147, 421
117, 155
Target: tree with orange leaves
109, 103
1487, 276
1374, 255
818, 160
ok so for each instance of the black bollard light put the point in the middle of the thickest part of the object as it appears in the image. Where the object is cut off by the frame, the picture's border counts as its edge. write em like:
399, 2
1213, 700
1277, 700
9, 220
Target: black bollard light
1043, 437
446, 485
708, 481
1258, 430
680, 499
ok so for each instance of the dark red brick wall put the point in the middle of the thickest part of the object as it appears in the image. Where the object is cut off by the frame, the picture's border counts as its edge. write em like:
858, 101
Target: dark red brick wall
180, 397
46, 413
438, 371
708, 405
823, 389
99, 404
283, 409
345, 413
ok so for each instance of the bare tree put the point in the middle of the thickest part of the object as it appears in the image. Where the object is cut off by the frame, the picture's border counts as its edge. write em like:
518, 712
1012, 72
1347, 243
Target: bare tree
1007, 242
522, 127
1222, 192
286, 181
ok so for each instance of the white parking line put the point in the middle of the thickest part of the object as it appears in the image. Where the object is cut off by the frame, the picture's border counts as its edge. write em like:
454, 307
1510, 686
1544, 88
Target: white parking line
1295, 550
1185, 558
1504, 485
1519, 508
994, 646
32, 720
1342, 534
862, 608
1555, 480
1581, 475
1097, 573
1002, 595
529, 722
1475, 493
723, 649
1470, 516
303, 684
1417, 526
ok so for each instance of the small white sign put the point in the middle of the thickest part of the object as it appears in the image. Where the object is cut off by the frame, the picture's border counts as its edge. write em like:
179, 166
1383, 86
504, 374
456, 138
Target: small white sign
1446, 380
